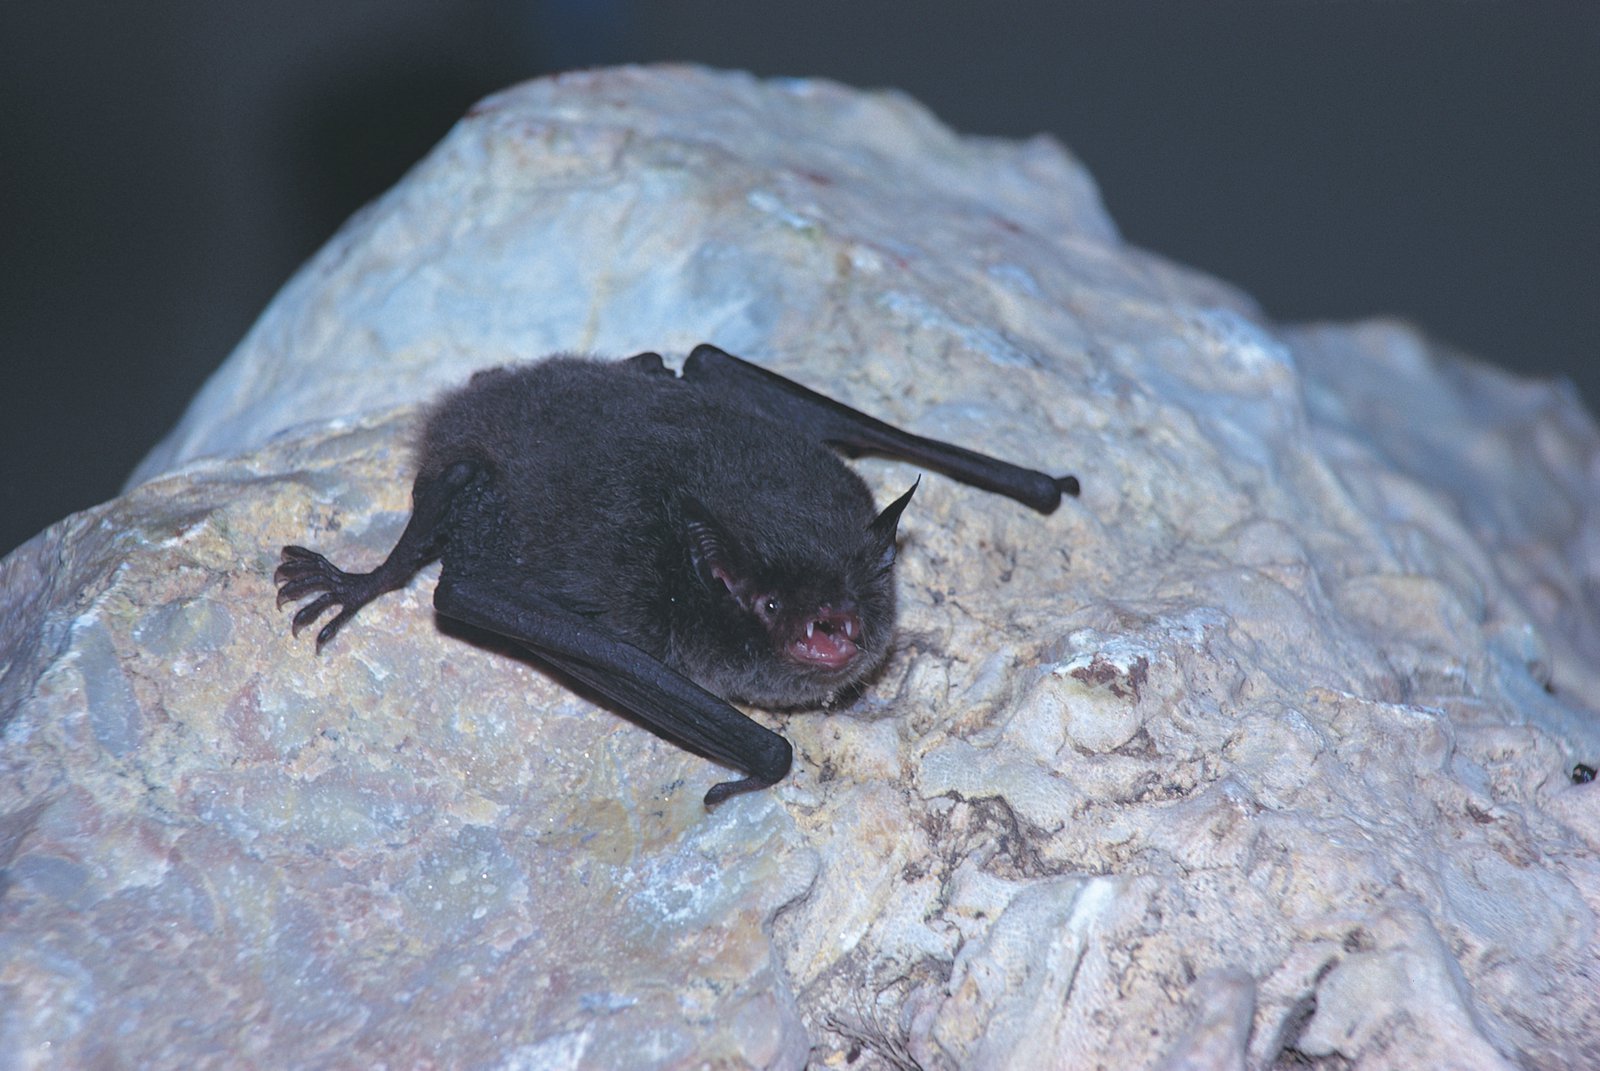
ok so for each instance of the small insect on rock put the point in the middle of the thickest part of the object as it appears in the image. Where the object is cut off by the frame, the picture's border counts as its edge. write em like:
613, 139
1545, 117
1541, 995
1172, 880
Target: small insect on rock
668, 541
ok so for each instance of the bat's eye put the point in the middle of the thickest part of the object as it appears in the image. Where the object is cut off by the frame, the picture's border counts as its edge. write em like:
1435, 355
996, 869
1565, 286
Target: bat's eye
767, 608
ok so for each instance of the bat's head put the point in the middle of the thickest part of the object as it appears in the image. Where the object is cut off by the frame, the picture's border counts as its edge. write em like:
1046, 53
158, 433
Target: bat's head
796, 624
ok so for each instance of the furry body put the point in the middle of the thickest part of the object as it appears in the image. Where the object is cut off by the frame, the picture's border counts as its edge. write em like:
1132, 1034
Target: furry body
669, 541
588, 467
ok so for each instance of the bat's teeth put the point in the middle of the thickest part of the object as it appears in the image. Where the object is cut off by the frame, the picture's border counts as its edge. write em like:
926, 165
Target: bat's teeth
811, 629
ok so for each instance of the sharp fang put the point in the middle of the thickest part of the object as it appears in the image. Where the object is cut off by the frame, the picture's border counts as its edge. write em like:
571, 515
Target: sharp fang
811, 627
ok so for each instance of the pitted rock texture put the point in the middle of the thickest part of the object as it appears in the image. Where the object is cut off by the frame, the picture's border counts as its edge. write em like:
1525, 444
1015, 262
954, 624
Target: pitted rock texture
1257, 755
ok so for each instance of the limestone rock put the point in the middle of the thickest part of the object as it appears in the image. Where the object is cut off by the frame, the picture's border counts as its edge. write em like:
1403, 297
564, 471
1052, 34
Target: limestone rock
1257, 755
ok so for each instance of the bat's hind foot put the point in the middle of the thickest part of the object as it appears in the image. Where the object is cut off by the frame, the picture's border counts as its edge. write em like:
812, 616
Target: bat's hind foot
303, 572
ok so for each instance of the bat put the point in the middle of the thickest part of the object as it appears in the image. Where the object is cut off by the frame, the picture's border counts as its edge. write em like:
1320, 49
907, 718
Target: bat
669, 541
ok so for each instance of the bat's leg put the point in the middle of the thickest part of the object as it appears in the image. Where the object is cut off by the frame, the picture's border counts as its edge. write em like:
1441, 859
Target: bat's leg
854, 432
657, 695
304, 572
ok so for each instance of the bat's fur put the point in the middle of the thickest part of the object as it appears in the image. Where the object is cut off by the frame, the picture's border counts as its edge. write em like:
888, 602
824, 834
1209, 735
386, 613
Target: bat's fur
591, 472
669, 541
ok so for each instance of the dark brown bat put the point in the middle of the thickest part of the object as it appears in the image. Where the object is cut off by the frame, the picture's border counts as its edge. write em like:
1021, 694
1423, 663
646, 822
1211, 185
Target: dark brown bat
664, 540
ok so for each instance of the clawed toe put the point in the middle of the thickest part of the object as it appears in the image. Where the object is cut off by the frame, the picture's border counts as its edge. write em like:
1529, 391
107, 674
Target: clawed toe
311, 611
298, 564
293, 589
328, 630
303, 572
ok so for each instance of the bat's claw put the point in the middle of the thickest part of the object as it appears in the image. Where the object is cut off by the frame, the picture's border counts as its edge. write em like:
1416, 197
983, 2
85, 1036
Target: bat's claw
772, 762
297, 588
303, 572
327, 631
1067, 485
722, 791
311, 611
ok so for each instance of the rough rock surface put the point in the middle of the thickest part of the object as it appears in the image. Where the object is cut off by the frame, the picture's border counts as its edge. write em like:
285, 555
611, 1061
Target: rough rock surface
1258, 755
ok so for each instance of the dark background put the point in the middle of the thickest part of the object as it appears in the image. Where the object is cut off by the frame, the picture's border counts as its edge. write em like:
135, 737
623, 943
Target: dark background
164, 166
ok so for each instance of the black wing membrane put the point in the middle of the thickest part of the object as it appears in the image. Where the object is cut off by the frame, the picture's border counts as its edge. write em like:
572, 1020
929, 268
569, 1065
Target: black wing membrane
855, 432
652, 692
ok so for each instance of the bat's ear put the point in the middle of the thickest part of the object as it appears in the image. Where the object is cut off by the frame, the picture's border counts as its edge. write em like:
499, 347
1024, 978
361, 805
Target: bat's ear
717, 561
649, 363
882, 530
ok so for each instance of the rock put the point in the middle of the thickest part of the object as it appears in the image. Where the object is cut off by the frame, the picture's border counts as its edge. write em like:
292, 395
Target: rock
1259, 754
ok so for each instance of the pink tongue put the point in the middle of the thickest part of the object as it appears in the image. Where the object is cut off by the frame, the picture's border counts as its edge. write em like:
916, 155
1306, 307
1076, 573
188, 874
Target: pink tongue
830, 643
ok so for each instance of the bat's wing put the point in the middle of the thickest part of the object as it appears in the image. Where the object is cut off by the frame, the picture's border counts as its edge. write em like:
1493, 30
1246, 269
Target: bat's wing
854, 432
660, 697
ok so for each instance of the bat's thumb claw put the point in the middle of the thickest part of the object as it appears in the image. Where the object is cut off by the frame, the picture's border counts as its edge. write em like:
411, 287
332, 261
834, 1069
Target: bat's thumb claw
1067, 485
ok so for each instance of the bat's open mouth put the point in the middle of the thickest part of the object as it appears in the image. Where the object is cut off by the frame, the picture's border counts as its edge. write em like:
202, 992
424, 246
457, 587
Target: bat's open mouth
829, 640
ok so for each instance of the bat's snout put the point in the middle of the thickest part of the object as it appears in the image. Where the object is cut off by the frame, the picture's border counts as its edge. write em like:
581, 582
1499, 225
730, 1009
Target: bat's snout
829, 640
